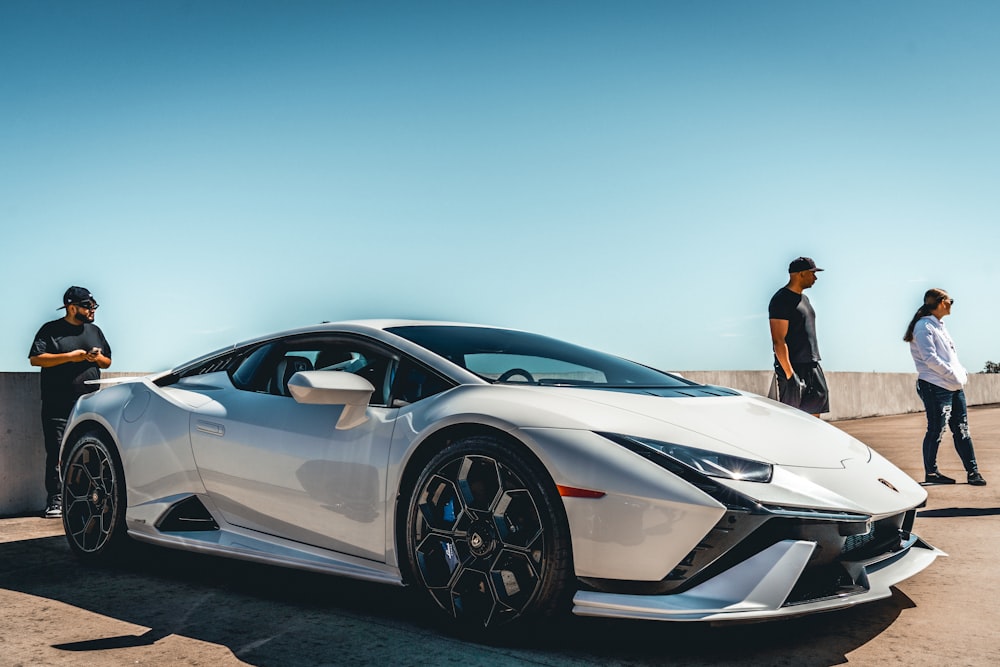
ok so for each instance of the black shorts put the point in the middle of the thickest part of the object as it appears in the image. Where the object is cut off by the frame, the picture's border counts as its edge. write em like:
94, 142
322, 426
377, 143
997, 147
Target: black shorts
806, 390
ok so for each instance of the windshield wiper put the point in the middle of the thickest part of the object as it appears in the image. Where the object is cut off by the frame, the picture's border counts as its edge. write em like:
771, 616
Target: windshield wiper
558, 382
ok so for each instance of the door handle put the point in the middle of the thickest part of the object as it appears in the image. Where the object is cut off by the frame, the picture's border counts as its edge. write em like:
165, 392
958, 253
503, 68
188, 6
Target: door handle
211, 428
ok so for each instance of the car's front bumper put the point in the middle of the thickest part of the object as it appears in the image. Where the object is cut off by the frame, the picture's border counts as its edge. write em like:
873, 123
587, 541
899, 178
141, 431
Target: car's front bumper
758, 588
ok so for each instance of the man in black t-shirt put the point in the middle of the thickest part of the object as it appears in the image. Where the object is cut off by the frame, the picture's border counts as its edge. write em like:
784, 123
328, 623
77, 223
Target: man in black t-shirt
69, 351
801, 383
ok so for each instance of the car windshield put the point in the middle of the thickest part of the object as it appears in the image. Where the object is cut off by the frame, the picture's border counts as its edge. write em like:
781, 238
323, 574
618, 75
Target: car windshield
516, 357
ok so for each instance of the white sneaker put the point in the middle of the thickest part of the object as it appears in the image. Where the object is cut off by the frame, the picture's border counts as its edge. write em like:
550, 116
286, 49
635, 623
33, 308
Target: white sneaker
54, 509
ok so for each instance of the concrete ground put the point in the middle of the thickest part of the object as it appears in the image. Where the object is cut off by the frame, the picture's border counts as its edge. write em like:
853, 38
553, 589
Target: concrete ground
172, 608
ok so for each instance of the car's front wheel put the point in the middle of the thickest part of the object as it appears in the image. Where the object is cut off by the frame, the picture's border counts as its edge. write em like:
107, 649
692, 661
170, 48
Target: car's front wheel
94, 499
487, 536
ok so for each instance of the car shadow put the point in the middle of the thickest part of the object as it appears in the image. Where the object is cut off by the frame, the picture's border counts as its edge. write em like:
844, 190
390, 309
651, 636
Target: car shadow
269, 616
949, 512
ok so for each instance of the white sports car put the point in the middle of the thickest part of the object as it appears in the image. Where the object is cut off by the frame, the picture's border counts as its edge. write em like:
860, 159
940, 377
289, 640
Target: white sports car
507, 475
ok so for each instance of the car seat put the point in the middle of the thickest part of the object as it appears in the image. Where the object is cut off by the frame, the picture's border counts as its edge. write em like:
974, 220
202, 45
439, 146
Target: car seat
287, 367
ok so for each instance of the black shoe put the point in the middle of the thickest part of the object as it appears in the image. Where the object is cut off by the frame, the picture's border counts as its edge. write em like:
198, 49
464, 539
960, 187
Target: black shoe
937, 478
975, 479
54, 508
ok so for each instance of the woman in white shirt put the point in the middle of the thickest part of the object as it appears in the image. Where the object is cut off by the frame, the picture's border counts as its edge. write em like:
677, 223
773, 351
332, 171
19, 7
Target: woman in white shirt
940, 378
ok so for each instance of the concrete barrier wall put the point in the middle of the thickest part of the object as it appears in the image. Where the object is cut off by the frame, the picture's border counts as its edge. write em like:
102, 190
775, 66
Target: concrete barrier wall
22, 452
853, 395
22, 448
857, 395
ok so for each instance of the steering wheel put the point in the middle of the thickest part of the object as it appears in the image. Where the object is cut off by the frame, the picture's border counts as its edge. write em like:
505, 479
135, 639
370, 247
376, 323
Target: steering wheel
516, 371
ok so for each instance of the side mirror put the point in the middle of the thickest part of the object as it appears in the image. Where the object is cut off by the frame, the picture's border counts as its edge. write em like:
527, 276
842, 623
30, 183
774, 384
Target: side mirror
334, 388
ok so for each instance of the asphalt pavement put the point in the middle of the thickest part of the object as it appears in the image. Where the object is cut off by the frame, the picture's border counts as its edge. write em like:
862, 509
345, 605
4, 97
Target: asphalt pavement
172, 608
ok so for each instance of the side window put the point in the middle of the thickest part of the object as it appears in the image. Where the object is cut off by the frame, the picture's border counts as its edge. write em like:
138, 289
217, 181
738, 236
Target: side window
245, 375
269, 368
373, 364
413, 382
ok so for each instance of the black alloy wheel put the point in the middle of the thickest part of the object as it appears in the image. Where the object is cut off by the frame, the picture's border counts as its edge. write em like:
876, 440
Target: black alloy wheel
94, 499
487, 536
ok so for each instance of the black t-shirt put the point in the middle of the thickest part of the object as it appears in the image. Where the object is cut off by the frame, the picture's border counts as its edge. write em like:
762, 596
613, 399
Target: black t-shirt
63, 384
801, 337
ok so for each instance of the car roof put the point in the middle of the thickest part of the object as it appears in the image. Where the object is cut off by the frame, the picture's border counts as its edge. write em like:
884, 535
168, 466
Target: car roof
374, 328
364, 326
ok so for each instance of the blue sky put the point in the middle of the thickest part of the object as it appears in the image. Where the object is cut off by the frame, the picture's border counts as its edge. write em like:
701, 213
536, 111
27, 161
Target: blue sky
632, 176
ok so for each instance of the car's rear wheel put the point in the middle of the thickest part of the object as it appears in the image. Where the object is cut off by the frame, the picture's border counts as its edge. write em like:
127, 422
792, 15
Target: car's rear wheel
94, 499
487, 536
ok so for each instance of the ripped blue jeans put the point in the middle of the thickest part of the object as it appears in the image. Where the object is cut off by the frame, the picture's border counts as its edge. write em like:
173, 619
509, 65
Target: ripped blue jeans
945, 409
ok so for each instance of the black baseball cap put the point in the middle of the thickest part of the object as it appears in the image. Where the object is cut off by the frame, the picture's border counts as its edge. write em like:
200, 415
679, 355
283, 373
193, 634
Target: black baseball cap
75, 295
803, 264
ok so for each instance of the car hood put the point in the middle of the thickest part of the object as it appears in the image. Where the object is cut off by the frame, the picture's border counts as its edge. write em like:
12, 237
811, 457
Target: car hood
741, 424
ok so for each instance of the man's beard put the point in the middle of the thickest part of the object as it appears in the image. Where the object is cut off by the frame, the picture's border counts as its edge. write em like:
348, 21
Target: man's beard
82, 318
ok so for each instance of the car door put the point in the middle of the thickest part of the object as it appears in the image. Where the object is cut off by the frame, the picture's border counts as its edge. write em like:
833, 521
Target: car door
282, 468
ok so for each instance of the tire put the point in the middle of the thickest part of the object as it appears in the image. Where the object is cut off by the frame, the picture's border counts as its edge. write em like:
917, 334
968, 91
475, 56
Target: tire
487, 537
94, 500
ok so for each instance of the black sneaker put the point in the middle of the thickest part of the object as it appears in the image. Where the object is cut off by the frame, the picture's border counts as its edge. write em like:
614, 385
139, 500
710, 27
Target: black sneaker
54, 508
975, 479
937, 478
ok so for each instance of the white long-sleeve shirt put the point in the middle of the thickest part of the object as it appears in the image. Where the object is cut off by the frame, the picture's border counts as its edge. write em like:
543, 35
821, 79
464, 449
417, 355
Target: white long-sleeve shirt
934, 355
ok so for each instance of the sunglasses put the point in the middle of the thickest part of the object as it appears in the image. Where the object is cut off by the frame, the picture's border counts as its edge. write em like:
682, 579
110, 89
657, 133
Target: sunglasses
87, 305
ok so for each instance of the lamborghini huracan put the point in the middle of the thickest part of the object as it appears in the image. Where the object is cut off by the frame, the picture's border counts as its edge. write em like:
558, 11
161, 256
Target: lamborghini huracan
504, 475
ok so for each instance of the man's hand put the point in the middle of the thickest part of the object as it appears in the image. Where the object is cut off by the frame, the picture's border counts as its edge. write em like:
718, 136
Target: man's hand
790, 391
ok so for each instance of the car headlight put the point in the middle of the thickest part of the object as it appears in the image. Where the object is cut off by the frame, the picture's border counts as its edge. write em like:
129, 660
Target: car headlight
712, 464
